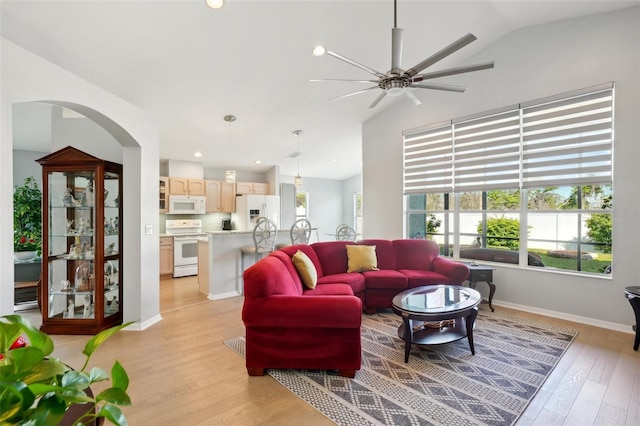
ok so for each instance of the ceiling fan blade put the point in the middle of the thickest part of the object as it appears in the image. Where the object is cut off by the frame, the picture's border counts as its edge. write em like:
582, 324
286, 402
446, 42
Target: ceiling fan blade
397, 35
353, 93
413, 97
434, 86
355, 64
452, 48
452, 71
378, 99
333, 80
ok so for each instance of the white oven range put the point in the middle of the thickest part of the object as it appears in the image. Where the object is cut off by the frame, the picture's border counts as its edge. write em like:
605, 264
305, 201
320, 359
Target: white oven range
185, 234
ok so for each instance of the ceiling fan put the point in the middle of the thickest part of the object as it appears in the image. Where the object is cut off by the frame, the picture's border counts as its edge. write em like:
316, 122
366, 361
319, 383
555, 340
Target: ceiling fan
396, 81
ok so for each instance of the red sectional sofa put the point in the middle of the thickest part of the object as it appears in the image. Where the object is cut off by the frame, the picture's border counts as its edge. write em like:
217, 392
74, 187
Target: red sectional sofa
291, 326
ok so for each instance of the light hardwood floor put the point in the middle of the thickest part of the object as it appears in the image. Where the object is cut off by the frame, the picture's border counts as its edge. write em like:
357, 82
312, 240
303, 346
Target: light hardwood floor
181, 373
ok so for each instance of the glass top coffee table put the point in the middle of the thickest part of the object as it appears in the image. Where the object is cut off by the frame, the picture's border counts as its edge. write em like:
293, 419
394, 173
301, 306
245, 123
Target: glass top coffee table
436, 314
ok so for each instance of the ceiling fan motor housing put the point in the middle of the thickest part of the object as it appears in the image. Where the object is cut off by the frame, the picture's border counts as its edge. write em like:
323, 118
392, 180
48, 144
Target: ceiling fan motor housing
394, 86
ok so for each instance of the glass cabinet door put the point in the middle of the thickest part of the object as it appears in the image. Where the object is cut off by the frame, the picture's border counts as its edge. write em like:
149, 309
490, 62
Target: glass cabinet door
71, 244
111, 296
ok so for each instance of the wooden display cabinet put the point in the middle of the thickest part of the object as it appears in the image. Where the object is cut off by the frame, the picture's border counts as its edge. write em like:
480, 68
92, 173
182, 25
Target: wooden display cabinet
81, 243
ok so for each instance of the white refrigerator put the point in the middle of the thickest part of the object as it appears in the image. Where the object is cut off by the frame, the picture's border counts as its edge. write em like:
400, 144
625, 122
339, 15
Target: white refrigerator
249, 207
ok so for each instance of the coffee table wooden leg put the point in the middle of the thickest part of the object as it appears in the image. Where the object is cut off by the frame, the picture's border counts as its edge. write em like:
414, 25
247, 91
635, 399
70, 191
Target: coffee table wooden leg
470, 320
407, 337
492, 291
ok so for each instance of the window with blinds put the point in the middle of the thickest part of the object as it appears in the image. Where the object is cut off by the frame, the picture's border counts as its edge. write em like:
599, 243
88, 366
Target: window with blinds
567, 140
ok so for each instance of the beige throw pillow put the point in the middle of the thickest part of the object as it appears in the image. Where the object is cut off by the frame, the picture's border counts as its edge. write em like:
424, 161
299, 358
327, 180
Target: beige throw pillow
361, 258
306, 269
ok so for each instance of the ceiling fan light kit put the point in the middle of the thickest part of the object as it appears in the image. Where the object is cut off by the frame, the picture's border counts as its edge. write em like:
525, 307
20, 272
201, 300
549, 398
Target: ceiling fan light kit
396, 81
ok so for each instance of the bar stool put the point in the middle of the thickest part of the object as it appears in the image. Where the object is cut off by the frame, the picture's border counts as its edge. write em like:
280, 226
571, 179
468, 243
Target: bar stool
345, 233
265, 234
300, 233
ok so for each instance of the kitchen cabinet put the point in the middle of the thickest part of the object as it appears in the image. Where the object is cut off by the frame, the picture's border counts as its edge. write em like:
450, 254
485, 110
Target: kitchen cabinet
221, 196
164, 194
82, 286
186, 186
252, 188
166, 255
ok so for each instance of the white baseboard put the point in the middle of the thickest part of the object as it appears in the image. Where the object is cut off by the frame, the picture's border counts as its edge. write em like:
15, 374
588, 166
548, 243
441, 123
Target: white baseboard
569, 317
223, 295
138, 326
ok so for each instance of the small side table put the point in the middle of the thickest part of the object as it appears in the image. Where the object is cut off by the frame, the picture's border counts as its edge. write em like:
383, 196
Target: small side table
633, 295
482, 273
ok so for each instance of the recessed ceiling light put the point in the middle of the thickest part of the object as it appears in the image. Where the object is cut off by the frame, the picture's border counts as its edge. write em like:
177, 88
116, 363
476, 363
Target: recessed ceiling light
197, 154
258, 161
334, 160
319, 50
214, 4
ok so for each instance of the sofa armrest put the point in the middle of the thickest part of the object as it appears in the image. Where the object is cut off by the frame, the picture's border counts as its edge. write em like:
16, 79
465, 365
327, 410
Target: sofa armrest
303, 311
456, 271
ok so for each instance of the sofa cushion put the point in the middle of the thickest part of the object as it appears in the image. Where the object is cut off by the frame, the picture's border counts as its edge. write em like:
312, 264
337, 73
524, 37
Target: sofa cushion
306, 249
332, 256
385, 252
361, 258
419, 278
330, 290
306, 269
385, 278
355, 281
415, 254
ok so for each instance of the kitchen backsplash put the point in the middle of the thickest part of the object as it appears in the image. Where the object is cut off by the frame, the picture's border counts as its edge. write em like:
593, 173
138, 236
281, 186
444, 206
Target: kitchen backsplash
210, 221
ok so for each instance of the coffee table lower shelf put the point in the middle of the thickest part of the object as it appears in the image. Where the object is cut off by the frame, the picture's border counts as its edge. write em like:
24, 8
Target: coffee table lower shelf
436, 336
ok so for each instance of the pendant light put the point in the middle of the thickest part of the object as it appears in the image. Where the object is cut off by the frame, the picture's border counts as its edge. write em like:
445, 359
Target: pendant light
297, 180
230, 174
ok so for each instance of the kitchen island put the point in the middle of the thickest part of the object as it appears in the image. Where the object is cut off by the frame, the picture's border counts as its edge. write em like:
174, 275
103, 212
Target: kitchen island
220, 260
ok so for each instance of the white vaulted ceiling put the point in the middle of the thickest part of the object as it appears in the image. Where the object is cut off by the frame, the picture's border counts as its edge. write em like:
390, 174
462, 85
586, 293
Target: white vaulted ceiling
189, 66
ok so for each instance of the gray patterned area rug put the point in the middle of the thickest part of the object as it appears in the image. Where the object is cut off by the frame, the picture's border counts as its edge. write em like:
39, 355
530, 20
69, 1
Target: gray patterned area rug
441, 385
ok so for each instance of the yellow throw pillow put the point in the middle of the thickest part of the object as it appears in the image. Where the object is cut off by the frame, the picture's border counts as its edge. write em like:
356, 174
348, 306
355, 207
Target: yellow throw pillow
306, 269
362, 258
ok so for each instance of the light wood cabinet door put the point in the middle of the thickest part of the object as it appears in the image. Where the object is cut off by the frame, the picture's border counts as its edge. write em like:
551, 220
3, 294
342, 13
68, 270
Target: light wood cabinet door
178, 186
260, 188
221, 196
196, 187
186, 186
252, 188
244, 188
166, 255
228, 197
213, 196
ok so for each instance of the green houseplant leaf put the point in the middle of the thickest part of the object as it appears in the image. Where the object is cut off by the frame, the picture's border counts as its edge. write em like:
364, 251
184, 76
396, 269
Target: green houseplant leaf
36, 389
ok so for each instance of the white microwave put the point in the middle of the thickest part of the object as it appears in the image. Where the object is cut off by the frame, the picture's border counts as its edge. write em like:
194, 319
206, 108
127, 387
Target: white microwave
187, 204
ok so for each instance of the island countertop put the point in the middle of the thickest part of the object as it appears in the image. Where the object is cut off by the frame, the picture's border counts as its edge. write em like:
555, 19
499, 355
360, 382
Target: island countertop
223, 260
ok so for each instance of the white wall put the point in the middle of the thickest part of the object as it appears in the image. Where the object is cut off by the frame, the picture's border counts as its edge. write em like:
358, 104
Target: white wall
27, 78
350, 187
27, 166
533, 63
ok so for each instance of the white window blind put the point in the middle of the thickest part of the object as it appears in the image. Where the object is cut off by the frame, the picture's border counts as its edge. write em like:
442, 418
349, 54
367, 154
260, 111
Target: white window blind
428, 159
569, 141
486, 152
563, 141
